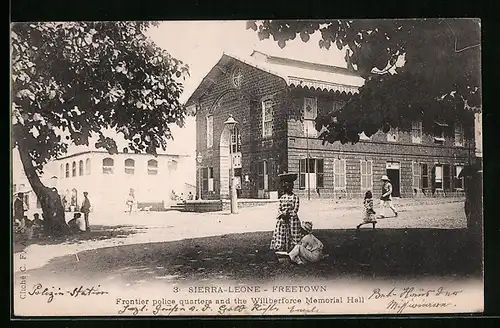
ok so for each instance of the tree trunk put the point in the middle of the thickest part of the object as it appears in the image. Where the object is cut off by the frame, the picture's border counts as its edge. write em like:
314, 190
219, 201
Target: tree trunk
54, 222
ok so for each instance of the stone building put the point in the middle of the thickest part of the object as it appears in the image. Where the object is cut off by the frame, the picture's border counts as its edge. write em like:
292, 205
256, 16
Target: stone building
275, 101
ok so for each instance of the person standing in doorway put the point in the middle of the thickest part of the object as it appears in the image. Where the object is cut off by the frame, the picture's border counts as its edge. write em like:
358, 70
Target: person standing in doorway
386, 198
86, 210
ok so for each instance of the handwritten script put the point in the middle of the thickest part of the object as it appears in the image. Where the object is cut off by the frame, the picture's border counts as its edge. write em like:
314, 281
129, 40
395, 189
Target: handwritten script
401, 299
77, 292
177, 309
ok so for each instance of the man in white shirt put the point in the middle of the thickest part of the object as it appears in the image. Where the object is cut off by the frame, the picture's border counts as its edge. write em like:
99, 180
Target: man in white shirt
386, 198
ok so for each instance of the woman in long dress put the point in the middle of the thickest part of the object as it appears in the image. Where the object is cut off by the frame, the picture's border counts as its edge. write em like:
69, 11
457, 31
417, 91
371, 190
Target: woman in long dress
287, 233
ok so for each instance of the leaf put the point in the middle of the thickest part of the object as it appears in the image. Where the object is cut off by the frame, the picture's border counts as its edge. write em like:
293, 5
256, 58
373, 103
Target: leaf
304, 36
339, 44
251, 25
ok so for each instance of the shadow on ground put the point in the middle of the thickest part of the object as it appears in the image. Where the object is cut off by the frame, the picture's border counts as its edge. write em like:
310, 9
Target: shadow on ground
98, 232
381, 253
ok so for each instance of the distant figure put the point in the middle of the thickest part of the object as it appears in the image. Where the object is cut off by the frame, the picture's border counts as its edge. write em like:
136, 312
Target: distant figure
182, 197
37, 225
196, 198
76, 224
173, 196
36, 220
130, 201
19, 207
386, 198
190, 196
64, 203
86, 210
369, 211
28, 228
309, 249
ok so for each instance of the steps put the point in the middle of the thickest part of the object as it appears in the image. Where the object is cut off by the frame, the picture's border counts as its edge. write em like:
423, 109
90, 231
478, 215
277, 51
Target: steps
181, 207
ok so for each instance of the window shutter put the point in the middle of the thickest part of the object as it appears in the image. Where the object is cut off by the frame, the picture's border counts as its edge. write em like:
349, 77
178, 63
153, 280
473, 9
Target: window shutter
446, 177
302, 176
260, 175
370, 174
320, 181
345, 173
453, 176
433, 176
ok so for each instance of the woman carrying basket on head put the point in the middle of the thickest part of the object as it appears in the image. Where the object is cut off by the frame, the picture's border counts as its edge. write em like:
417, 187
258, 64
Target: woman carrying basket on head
287, 233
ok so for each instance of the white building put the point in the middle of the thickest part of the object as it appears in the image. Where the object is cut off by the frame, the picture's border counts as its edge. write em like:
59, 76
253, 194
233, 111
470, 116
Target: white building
109, 178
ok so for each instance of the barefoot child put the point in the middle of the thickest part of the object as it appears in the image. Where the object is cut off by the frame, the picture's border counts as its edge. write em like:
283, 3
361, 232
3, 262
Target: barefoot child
369, 212
309, 249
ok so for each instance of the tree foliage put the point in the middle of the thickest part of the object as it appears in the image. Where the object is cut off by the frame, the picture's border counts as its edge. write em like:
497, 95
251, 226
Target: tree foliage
71, 80
440, 79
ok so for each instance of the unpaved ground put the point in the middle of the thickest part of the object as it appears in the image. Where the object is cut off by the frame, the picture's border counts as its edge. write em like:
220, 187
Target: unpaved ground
157, 255
117, 229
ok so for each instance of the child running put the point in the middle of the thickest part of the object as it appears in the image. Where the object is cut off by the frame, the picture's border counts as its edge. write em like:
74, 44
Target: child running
369, 212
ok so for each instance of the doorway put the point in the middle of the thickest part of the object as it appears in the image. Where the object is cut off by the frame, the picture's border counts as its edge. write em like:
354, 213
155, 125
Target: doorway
393, 172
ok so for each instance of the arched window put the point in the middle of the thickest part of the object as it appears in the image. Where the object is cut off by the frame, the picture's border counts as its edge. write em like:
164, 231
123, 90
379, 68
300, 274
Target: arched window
87, 166
62, 171
152, 167
129, 166
80, 168
74, 198
67, 170
73, 169
107, 165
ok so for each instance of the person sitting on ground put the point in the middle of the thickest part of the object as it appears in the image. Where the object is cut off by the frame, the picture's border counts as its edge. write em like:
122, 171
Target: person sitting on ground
20, 225
29, 228
77, 224
37, 225
369, 216
309, 249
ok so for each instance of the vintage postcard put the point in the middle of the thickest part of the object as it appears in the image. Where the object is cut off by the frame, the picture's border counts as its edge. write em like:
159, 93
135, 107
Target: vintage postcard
246, 168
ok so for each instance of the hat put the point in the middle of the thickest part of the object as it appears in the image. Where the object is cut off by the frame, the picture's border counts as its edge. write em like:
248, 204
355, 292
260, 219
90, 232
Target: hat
288, 177
385, 178
307, 226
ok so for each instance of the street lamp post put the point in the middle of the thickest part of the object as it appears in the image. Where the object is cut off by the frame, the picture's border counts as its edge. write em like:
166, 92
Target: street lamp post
231, 123
199, 159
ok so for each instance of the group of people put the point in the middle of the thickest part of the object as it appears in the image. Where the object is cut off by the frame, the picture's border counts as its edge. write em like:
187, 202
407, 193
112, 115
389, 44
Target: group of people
370, 216
182, 197
293, 238
76, 224
22, 224
29, 228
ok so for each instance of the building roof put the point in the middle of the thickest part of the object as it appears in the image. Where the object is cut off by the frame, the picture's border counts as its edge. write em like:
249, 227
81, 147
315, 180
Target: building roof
120, 153
296, 73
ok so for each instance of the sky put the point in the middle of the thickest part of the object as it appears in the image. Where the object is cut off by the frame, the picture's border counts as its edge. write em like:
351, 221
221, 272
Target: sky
200, 44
